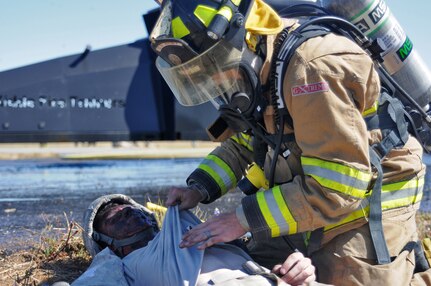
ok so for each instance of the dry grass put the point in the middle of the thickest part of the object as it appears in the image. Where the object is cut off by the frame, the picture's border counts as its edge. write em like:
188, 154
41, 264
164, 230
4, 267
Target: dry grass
53, 258
64, 258
423, 221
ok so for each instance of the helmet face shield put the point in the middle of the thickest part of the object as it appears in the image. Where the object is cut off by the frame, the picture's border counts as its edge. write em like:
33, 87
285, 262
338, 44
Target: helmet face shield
215, 76
197, 67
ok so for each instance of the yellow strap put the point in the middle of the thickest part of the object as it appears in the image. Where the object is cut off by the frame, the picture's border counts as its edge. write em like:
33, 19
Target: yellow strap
155, 207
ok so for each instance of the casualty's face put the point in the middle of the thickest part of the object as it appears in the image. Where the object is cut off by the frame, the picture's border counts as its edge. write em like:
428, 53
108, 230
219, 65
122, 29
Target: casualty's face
122, 221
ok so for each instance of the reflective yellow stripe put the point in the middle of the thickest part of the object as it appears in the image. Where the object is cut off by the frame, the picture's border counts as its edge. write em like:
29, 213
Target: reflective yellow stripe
236, 2
214, 176
307, 238
205, 14
226, 12
371, 110
219, 171
402, 202
263, 206
290, 221
339, 168
413, 183
276, 213
405, 193
354, 192
243, 140
179, 29
358, 214
338, 177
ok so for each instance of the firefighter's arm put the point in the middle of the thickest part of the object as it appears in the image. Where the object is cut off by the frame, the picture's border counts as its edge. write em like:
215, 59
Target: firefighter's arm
325, 97
221, 170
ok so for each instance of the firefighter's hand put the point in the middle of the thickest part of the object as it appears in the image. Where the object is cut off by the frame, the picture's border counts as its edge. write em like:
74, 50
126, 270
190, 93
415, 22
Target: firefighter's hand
186, 198
296, 269
219, 228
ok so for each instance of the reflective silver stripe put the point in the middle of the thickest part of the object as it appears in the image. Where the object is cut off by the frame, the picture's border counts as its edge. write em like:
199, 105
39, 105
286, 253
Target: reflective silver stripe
335, 176
400, 194
338, 177
408, 193
361, 212
281, 224
218, 173
244, 140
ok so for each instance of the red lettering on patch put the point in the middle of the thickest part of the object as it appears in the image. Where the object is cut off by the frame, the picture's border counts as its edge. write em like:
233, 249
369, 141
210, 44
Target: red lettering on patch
310, 88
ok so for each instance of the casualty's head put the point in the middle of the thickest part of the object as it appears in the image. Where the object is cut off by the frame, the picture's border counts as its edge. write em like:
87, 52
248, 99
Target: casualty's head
118, 222
211, 50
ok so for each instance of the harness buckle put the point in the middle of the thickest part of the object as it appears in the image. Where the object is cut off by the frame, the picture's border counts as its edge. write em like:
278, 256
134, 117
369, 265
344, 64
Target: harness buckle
380, 150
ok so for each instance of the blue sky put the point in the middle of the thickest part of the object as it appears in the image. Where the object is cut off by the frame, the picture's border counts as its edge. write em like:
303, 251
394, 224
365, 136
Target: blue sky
36, 30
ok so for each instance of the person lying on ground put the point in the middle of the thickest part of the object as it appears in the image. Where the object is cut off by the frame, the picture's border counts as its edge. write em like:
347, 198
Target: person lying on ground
129, 249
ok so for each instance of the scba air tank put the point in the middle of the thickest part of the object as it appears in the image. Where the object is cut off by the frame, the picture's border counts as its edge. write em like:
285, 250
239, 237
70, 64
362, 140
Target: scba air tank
401, 60
375, 20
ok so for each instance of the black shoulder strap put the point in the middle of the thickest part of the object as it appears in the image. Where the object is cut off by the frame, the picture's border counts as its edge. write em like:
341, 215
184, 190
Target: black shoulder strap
284, 48
375, 216
390, 120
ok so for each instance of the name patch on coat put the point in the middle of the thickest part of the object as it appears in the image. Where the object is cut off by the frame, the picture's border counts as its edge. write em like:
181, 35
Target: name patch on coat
310, 88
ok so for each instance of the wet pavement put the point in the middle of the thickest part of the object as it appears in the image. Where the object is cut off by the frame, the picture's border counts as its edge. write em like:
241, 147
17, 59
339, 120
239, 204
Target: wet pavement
42, 194
37, 195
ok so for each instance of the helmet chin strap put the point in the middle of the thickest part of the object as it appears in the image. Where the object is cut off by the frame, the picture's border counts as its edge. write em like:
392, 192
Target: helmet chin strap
146, 234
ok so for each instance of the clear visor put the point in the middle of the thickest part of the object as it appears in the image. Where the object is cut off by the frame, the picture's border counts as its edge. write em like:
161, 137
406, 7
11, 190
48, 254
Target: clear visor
214, 76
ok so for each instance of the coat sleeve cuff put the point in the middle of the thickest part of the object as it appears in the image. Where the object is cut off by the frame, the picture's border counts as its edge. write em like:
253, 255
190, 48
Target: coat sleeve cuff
198, 187
241, 218
207, 183
257, 224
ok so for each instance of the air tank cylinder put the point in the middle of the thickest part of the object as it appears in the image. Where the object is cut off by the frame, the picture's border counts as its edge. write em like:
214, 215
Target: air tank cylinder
401, 60
375, 20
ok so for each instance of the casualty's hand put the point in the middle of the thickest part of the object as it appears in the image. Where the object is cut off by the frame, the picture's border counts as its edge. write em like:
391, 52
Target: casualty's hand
296, 269
219, 228
186, 198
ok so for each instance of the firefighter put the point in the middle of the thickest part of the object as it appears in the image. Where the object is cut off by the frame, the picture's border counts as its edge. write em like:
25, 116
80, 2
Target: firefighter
307, 121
